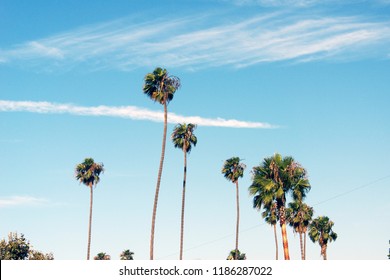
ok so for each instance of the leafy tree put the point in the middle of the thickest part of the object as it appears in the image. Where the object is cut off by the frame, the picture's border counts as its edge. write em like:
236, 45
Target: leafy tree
160, 87
19, 248
236, 256
320, 230
88, 173
299, 215
232, 170
102, 257
37, 255
127, 255
273, 180
16, 248
183, 138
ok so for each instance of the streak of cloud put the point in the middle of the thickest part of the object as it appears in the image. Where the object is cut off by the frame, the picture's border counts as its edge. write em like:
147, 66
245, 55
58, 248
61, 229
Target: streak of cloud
128, 112
206, 41
20, 201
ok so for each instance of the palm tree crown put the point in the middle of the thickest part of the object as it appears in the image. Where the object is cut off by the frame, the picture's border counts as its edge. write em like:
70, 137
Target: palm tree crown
127, 255
183, 137
102, 257
320, 230
160, 86
299, 216
234, 253
233, 169
88, 172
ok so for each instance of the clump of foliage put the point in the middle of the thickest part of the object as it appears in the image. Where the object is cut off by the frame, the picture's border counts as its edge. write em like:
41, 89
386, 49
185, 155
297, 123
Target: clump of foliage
232, 255
19, 248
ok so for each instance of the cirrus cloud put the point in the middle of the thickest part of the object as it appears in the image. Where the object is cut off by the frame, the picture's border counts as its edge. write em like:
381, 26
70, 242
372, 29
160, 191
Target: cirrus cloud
196, 42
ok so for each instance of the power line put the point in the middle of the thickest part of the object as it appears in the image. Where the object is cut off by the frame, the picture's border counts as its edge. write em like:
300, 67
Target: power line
354, 189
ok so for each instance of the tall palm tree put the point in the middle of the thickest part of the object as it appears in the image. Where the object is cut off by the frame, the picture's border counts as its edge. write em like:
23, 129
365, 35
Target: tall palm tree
183, 138
127, 255
232, 170
299, 215
88, 173
160, 87
320, 230
277, 177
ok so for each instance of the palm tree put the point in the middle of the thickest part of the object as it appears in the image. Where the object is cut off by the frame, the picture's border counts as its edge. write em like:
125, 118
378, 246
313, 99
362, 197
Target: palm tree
265, 199
236, 256
160, 87
127, 255
183, 138
320, 230
232, 170
299, 215
102, 257
88, 173
275, 178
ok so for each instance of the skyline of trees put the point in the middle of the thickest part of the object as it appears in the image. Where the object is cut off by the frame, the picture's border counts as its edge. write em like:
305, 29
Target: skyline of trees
274, 181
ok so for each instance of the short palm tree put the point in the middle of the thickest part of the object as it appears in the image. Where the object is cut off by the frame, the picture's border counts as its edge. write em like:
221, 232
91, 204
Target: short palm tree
102, 257
320, 230
160, 87
264, 199
127, 255
299, 216
183, 138
233, 169
275, 178
88, 173
236, 255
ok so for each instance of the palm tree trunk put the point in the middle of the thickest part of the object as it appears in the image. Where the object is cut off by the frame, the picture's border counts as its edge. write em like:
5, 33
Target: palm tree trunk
304, 245
284, 233
159, 179
276, 242
238, 220
183, 200
90, 221
301, 245
323, 251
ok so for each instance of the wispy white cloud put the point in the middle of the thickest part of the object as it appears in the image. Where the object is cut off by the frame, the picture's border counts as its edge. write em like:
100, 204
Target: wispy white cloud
21, 201
277, 3
304, 3
206, 41
129, 112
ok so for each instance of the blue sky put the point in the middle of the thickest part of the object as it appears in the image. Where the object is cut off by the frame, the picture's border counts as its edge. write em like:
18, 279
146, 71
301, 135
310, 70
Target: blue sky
303, 78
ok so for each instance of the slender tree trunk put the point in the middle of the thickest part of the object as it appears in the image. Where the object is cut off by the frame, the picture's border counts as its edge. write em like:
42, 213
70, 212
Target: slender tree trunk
304, 245
284, 233
301, 245
90, 221
238, 220
276, 242
159, 179
323, 251
183, 200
